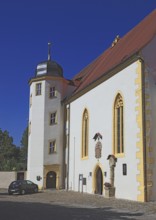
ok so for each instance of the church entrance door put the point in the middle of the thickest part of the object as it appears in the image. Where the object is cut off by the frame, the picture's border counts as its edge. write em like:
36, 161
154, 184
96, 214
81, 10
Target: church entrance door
99, 181
51, 180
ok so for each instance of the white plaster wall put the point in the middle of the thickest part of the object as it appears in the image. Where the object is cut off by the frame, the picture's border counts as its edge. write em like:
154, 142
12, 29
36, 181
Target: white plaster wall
36, 137
99, 102
42, 132
54, 131
6, 178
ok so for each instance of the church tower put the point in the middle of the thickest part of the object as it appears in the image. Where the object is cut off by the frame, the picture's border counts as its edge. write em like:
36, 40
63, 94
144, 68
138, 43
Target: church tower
46, 122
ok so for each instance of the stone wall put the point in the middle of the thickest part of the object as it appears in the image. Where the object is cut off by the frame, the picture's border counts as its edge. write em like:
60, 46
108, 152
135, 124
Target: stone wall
7, 177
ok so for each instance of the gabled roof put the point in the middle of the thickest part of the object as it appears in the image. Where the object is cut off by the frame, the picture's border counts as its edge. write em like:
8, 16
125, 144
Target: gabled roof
127, 46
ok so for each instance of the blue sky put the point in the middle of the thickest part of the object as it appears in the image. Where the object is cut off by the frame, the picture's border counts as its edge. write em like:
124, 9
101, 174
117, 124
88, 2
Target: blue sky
80, 30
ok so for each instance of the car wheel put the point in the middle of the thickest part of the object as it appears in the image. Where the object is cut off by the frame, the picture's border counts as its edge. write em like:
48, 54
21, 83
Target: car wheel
36, 190
10, 193
22, 192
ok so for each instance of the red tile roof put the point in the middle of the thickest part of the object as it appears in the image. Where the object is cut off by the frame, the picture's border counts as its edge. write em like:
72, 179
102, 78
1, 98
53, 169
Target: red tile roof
127, 46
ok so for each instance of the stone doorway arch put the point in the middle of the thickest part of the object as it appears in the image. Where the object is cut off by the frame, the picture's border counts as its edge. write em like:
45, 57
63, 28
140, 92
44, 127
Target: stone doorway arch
51, 180
98, 180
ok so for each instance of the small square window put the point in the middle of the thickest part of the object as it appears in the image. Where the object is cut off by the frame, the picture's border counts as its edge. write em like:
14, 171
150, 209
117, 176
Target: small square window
52, 147
38, 88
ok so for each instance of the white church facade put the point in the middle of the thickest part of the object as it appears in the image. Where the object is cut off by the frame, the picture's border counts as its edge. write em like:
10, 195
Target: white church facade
106, 110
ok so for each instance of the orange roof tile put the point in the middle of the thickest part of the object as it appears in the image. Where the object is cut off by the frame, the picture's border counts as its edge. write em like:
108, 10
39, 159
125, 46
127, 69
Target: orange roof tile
127, 46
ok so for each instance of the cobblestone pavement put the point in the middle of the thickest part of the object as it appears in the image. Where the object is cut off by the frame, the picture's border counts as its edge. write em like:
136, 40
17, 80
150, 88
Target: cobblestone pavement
137, 210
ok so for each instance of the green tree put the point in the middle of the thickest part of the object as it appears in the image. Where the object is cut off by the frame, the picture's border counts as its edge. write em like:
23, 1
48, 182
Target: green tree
24, 149
8, 152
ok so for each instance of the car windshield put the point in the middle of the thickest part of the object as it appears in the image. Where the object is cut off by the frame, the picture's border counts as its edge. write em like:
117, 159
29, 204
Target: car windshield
29, 182
16, 183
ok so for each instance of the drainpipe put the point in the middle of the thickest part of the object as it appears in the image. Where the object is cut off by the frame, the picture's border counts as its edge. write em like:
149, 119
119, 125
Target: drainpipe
74, 167
67, 142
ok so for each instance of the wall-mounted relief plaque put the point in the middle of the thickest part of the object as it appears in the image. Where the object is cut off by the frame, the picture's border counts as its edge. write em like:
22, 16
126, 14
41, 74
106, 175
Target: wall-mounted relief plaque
98, 150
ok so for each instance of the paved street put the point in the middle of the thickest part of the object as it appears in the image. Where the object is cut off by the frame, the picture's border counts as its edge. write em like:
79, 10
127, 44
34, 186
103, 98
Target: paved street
51, 205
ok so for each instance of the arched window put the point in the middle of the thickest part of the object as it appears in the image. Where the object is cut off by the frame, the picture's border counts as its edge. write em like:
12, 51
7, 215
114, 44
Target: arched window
85, 127
118, 125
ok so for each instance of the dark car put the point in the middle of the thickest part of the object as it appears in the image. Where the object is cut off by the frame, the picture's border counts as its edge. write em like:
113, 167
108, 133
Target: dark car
22, 187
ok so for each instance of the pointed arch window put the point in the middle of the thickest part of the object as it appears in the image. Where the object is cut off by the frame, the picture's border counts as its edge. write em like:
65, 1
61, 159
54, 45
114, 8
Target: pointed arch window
118, 125
85, 127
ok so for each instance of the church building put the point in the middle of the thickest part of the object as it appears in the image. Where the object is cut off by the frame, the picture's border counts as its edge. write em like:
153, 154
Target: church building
96, 132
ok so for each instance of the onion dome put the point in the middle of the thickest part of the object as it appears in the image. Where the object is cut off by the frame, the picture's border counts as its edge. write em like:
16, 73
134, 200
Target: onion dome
49, 68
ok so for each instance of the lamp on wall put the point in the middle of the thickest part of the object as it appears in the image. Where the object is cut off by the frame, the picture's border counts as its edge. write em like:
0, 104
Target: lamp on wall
124, 169
38, 178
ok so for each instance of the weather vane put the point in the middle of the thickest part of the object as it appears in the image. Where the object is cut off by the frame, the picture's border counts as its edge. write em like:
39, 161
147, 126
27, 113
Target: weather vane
49, 50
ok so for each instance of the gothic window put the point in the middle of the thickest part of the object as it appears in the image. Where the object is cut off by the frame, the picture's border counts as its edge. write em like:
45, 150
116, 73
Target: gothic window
118, 125
38, 88
85, 128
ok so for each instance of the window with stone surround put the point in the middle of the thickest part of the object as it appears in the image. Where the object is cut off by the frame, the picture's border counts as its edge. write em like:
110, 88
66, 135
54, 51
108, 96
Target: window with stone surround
53, 118
52, 146
118, 125
52, 92
85, 134
38, 89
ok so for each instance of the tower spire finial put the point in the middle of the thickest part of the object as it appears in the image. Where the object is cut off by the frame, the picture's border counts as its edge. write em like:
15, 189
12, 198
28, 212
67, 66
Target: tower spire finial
49, 50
